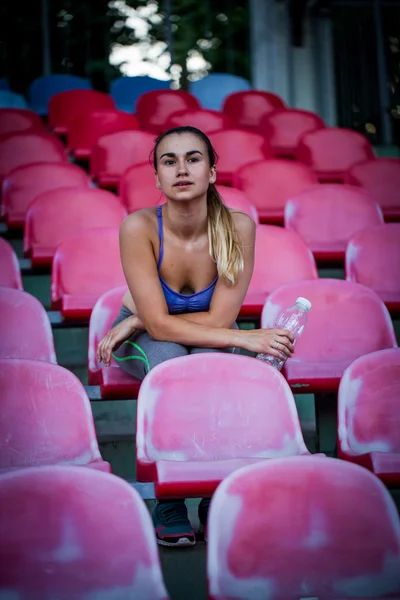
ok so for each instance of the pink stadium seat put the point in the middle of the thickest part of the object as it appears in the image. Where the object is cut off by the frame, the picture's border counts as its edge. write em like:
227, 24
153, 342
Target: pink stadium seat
247, 108
237, 200
65, 106
205, 120
13, 120
380, 177
241, 411
330, 152
269, 183
25, 327
46, 417
236, 148
54, 215
23, 184
85, 266
85, 129
114, 153
284, 128
137, 188
68, 532
302, 528
153, 109
10, 274
113, 382
281, 257
19, 149
369, 416
327, 216
373, 259
347, 320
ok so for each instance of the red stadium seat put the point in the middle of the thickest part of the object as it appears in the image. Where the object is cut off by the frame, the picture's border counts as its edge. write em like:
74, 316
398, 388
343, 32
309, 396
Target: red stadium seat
330, 152
113, 382
373, 259
65, 106
368, 414
284, 128
237, 200
247, 108
302, 528
85, 129
10, 273
85, 266
25, 327
71, 533
13, 120
346, 321
236, 148
23, 184
269, 183
54, 215
381, 179
327, 216
153, 109
281, 257
137, 188
19, 149
240, 411
46, 417
205, 120
114, 153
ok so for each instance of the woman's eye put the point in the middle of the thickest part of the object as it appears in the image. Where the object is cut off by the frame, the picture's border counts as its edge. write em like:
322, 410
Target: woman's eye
169, 162
193, 159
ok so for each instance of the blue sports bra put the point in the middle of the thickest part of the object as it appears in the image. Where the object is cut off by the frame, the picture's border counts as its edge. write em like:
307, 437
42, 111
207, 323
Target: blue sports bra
182, 303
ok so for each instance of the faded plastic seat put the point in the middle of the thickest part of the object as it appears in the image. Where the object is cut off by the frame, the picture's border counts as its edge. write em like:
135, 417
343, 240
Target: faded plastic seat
281, 257
247, 108
85, 266
327, 217
85, 129
126, 90
43, 88
347, 320
373, 259
25, 327
153, 109
380, 177
46, 418
227, 143
212, 90
114, 153
238, 200
241, 411
113, 381
10, 273
25, 183
65, 106
9, 99
56, 214
369, 416
205, 120
331, 151
137, 188
13, 120
60, 537
270, 183
302, 528
284, 129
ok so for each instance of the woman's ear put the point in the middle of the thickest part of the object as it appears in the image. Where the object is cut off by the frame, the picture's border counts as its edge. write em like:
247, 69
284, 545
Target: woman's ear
158, 184
213, 175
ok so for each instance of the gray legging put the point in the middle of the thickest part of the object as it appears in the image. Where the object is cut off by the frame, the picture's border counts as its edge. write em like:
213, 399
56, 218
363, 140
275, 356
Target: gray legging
140, 353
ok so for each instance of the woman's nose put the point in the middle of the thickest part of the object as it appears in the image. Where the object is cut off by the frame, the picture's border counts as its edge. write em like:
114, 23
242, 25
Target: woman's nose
181, 167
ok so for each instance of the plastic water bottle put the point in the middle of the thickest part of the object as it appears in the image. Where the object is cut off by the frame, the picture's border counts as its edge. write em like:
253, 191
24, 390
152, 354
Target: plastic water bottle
294, 319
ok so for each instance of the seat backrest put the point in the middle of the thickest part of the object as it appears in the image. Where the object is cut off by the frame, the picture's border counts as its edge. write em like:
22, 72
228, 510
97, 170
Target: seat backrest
25, 327
212, 90
126, 91
85, 129
137, 188
61, 539
153, 109
205, 120
45, 416
43, 88
237, 200
17, 119
284, 128
9, 99
368, 404
380, 177
10, 273
247, 108
346, 321
116, 152
65, 106
294, 528
222, 420
226, 143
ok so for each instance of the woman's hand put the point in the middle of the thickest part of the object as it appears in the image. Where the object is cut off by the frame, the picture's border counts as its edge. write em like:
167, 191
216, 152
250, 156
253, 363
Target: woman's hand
277, 342
114, 338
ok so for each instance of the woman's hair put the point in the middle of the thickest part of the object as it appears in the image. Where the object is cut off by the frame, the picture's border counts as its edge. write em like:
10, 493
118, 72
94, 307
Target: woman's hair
224, 241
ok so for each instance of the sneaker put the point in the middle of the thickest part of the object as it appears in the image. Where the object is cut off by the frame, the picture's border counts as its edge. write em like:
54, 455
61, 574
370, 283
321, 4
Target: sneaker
172, 525
203, 515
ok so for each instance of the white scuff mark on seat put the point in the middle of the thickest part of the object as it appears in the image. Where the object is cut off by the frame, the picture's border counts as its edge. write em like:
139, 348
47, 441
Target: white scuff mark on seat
317, 536
70, 548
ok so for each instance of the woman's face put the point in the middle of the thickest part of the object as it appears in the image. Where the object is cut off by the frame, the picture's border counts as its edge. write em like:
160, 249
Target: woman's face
183, 169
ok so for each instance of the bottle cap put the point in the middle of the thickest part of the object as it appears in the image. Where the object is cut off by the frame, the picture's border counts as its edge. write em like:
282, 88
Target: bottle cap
305, 304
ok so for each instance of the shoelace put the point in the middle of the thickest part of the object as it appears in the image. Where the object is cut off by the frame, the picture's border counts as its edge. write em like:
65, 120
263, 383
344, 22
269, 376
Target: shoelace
173, 513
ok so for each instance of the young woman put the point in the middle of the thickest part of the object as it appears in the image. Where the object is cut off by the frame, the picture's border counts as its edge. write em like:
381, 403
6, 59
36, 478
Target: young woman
188, 265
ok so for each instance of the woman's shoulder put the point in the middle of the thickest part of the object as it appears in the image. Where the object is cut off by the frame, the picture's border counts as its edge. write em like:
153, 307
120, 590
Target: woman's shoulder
243, 223
143, 220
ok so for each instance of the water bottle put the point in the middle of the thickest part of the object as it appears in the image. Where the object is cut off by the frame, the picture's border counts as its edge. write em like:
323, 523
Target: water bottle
294, 319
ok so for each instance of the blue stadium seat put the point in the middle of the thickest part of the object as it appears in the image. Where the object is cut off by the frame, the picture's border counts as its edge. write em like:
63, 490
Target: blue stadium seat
10, 99
212, 90
43, 88
126, 90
